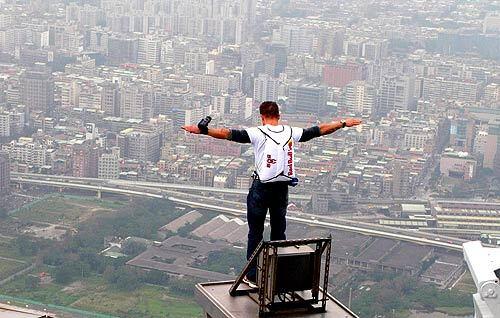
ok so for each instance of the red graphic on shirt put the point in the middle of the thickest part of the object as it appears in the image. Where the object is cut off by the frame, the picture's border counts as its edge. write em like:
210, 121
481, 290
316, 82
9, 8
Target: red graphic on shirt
270, 161
290, 158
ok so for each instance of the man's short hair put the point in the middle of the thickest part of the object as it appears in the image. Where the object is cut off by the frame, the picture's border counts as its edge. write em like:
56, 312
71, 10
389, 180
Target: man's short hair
269, 109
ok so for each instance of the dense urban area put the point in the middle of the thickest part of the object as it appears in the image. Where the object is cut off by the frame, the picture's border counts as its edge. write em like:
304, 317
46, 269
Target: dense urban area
109, 209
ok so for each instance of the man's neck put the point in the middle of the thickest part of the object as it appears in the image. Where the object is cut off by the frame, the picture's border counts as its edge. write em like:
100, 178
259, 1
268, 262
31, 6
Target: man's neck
272, 122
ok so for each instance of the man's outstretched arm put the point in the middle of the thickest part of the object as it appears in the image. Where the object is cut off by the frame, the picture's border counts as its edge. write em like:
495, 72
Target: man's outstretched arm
240, 136
327, 128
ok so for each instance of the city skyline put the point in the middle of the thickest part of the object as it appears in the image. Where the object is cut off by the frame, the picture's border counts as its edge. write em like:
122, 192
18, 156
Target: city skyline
94, 93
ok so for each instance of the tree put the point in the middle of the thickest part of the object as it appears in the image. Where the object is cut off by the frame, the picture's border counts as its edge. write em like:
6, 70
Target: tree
25, 246
224, 261
53, 257
458, 191
184, 286
122, 278
109, 274
70, 271
156, 277
3, 213
31, 282
126, 279
133, 248
65, 274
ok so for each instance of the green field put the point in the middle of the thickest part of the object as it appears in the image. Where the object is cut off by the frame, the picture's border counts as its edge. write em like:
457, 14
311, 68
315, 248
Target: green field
456, 311
95, 295
65, 210
8, 250
79, 277
9, 267
466, 284
148, 301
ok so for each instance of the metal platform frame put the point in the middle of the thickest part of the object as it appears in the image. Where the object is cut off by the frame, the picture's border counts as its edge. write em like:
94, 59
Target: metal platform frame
268, 306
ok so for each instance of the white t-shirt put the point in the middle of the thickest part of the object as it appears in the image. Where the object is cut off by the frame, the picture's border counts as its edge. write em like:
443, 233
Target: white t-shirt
274, 151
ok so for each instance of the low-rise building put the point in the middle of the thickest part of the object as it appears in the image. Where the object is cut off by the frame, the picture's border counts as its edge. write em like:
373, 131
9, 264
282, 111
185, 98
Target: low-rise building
458, 165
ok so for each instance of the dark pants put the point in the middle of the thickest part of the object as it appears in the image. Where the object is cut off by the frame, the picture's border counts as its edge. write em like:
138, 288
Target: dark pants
261, 197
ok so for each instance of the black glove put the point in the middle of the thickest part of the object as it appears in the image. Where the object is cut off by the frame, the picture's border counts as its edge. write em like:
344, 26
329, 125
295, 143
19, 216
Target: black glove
203, 125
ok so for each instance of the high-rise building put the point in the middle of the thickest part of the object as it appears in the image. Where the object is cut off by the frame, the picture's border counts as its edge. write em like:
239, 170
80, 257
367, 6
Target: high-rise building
166, 101
492, 93
491, 23
26, 151
136, 102
139, 145
462, 134
186, 116
37, 90
122, 50
401, 180
148, 51
110, 99
4, 173
248, 10
395, 93
209, 84
280, 52
494, 130
109, 165
85, 159
220, 105
354, 47
98, 41
4, 125
486, 145
12, 38
196, 62
6, 20
331, 42
374, 50
210, 67
237, 105
360, 98
456, 89
298, 39
307, 98
419, 139
343, 74
11, 123
265, 88
263, 65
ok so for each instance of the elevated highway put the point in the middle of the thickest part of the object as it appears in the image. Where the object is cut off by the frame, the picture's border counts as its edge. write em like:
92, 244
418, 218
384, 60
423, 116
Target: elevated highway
171, 192
26, 177
329, 225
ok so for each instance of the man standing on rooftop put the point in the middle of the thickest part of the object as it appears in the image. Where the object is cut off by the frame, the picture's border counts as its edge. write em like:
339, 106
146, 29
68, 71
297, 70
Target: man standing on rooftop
273, 146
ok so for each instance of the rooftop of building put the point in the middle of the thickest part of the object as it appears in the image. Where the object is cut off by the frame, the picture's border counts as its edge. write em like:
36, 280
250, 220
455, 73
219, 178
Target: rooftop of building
9, 311
216, 301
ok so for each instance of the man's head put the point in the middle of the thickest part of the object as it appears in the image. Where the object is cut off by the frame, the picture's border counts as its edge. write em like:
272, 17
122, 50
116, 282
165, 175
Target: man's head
269, 112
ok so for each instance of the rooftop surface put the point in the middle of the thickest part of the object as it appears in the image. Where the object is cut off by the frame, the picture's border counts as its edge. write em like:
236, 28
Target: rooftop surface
8, 311
177, 255
215, 300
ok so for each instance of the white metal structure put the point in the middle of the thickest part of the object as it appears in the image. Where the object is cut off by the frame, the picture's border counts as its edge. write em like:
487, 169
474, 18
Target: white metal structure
484, 265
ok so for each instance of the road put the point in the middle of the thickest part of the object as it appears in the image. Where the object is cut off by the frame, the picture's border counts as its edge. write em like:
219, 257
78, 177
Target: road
18, 177
173, 192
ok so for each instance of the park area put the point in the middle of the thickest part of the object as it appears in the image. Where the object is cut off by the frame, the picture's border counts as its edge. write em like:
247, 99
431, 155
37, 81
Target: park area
65, 210
9, 266
93, 295
64, 236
